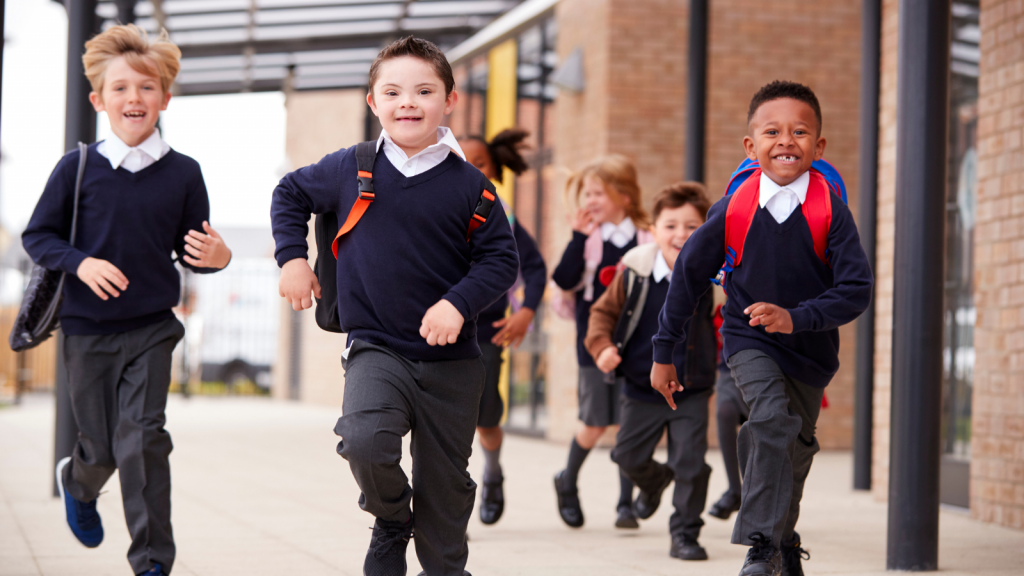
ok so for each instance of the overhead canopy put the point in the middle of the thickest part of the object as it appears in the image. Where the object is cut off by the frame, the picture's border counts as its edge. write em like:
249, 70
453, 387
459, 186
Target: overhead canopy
261, 45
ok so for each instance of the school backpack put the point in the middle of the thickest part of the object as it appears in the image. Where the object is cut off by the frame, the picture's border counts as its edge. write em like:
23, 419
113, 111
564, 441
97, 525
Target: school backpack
328, 234
744, 185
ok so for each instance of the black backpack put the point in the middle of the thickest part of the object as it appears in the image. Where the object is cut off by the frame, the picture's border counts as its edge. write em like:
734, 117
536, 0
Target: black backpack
328, 233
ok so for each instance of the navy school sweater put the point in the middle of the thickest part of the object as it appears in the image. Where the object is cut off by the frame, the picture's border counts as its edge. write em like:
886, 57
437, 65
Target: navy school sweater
408, 251
132, 220
569, 273
779, 267
535, 275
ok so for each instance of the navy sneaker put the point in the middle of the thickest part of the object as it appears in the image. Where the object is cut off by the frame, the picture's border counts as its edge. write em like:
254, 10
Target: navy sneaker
82, 517
386, 556
156, 570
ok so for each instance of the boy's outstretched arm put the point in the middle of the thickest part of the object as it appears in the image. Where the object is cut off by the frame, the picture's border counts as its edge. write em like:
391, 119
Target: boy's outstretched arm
199, 247
535, 276
46, 237
698, 262
853, 281
494, 270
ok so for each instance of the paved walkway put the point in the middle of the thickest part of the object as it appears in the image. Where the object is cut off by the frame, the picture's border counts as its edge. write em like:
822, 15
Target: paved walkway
259, 490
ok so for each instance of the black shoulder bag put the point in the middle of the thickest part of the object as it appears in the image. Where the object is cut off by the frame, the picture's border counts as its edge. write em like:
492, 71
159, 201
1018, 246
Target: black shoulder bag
39, 315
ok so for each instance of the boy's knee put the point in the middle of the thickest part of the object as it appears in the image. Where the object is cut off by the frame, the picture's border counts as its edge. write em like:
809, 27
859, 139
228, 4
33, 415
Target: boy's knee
363, 442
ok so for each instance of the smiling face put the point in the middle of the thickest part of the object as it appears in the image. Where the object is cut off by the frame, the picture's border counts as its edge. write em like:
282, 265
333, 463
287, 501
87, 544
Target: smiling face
477, 154
409, 99
673, 227
602, 205
132, 101
784, 137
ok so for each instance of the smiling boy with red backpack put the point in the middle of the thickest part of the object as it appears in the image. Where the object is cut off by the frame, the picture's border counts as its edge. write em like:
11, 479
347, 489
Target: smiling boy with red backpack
794, 272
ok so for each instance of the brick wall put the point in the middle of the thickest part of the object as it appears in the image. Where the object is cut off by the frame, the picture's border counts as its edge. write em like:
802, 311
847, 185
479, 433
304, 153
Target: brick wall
997, 445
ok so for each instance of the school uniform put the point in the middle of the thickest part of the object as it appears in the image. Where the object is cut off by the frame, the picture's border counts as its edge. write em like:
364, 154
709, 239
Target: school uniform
408, 252
136, 205
598, 400
534, 274
626, 317
781, 376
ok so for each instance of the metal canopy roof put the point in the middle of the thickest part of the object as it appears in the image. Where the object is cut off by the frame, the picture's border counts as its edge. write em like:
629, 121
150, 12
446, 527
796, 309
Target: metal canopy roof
262, 45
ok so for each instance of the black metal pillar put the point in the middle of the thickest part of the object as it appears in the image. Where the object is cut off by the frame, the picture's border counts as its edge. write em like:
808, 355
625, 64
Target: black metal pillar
125, 11
80, 127
696, 90
921, 137
863, 404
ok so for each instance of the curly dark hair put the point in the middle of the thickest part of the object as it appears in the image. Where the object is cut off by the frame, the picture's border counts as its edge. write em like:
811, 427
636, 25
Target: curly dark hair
504, 150
784, 89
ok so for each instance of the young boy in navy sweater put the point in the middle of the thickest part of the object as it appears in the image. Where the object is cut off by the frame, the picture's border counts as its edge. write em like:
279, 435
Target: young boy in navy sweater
140, 200
411, 281
787, 298
622, 322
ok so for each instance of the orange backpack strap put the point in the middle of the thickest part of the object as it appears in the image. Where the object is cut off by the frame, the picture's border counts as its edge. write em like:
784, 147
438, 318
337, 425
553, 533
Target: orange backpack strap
483, 209
817, 208
366, 155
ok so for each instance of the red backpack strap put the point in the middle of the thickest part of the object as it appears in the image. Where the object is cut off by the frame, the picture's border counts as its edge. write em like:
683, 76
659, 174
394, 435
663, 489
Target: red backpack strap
817, 208
483, 210
366, 154
739, 216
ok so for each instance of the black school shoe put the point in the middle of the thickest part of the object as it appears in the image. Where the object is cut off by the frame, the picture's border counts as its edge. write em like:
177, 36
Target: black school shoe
792, 553
492, 502
687, 549
725, 506
626, 519
763, 558
386, 556
568, 503
646, 504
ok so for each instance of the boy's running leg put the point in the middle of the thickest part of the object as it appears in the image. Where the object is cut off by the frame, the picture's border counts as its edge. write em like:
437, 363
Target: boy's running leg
687, 446
640, 429
442, 440
142, 446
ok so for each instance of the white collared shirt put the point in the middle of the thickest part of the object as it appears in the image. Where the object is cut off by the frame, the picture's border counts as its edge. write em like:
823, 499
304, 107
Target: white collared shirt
781, 201
423, 160
620, 234
661, 269
134, 158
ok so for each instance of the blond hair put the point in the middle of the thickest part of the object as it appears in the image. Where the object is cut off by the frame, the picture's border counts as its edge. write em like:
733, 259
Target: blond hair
619, 176
158, 58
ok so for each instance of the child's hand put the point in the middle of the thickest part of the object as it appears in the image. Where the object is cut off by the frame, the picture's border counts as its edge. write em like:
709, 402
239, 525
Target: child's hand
442, 324
513, 328
583, 222
102, 277
207, 250
773, 318
608, 359
665, 380
297, 281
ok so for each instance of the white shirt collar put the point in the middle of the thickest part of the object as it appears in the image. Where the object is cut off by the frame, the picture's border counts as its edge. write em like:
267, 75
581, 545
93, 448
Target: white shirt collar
769, 188
620, 234
116, 150
445, 140
661, 269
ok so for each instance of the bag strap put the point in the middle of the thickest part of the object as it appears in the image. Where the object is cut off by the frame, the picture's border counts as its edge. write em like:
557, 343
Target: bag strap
366, 155
83, 153
817, 209
483, 209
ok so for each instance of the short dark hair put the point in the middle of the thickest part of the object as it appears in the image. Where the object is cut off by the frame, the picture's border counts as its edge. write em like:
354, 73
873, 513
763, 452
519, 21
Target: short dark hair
681, 194
784, 89
420, 48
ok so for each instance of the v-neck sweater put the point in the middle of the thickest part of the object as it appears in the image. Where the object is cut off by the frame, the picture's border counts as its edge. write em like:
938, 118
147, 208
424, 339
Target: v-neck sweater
780, 267
135, 221
408, 252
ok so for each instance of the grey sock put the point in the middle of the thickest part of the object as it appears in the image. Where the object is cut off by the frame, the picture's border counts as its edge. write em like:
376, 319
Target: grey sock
492, 466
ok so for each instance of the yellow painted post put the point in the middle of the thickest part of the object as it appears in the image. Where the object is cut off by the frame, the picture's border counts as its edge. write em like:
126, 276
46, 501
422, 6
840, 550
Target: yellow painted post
502, 92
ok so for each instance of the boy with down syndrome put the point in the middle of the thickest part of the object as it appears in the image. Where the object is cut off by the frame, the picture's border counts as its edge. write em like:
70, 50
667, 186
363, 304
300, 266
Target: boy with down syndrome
622, 322
794, 273
139, 201
412, 277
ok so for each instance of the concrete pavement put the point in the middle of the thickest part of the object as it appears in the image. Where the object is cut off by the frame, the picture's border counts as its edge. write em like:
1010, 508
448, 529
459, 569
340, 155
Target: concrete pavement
259, 490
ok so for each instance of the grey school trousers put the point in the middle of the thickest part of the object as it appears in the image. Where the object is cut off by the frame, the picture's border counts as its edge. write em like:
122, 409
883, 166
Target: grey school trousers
118, 385
641, 427
388, 396
776, 446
